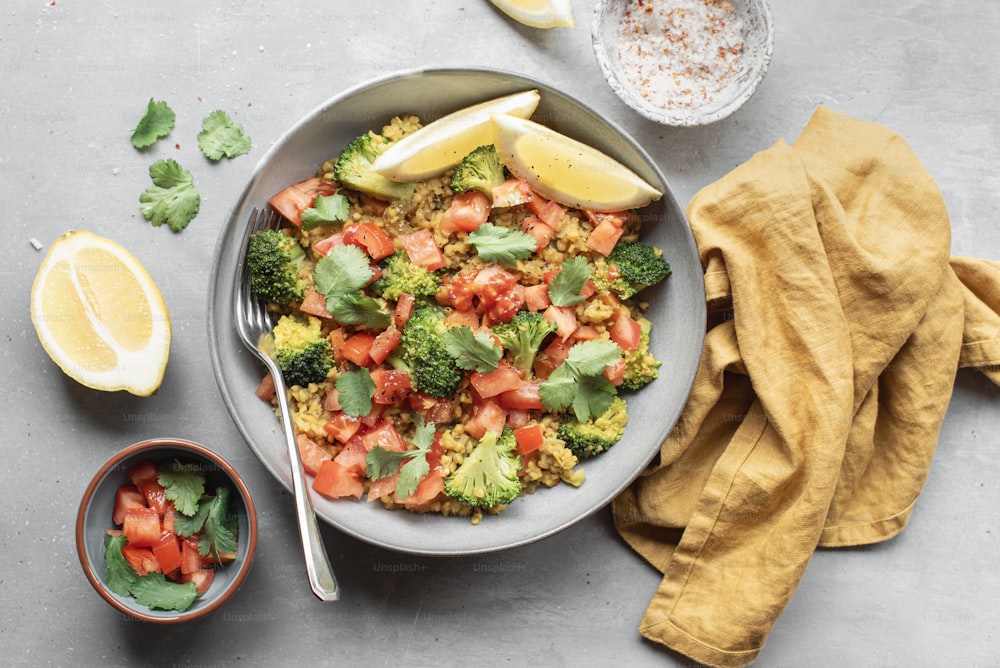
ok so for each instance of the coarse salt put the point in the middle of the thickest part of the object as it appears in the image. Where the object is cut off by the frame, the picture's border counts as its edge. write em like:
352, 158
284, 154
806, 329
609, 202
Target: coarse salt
680, 53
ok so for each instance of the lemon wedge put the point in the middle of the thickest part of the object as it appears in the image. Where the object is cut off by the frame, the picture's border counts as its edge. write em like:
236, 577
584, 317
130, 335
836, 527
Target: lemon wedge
570, 172
538, 13
441, 144
100, 316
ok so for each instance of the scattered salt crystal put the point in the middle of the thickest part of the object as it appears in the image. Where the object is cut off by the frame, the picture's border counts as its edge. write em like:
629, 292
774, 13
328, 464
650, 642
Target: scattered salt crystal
35, 243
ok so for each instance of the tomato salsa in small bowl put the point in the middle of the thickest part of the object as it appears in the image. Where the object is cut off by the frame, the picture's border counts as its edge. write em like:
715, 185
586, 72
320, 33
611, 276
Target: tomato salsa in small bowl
166, 531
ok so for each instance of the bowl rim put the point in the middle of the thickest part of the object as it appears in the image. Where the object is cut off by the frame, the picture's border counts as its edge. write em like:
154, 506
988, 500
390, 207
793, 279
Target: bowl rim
197, 449
665, 117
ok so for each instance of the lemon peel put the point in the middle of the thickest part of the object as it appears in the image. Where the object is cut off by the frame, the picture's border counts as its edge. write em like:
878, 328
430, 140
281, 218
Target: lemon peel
538, 13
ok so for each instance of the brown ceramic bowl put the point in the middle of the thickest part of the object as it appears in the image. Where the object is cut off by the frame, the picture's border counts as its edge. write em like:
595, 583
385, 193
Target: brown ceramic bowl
94, 518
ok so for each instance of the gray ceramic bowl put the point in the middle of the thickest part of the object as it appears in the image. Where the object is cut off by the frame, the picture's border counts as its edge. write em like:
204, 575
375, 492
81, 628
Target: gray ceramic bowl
94, 517
678, 311
758, 40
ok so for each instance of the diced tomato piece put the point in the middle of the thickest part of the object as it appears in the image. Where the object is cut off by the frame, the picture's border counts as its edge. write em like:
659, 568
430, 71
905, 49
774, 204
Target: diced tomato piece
202, 579
385, 342
626, 332
358, 347
512, 192
314, 303
142, 527
382, 487
168, 552
502, 379
616, 218
331, 400
191, 561
324, 246
265, 389
550, 357
311, 453
604, 237
615, 372
543, 233
536, 297
337, 338
586, 333
298, 197
525, 397
375, 240
505, 306
374, 416
342, 427
529, 438
492, 281
391, 385
336, 481
486, 416
467, 211
437, 411
551, 213
429, 489
422, 249
461, 292
385, 435
142, 473
404, 309
126, 497
564, 318
352, 455
169, 516
141, 559
458, 318
156, 496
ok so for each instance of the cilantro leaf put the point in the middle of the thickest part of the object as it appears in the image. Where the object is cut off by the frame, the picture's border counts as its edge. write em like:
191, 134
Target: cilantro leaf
172, 198
155, 592
190, 525
591, 357
157, 122
383, 463
579, 381
217, 534
118, 573
345, 269
184, 485
567, 285
222, 136
473, 351
353, 309
559, 389
355, 390
503, 245
594, 395
326, 209
411, 473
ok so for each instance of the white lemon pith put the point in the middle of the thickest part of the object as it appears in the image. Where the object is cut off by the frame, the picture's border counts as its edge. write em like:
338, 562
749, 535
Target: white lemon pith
99, 315
568, 171
441, 144
538, 13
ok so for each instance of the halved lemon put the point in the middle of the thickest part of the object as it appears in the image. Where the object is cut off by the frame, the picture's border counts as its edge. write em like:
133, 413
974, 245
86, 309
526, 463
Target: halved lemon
538, 13
100, 316
441, 144
566, 170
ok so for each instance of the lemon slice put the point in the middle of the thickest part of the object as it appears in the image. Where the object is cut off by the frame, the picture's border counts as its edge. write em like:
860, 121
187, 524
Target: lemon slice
441, 144
100, 316
568, 171
538, 13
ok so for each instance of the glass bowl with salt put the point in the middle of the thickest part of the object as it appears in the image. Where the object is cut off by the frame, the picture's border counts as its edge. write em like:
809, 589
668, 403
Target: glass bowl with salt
683, 62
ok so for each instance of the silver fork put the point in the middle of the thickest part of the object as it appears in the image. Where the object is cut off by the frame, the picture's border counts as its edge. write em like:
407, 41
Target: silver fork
253, 320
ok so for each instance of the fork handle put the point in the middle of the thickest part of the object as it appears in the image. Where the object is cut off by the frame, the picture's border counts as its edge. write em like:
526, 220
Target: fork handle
321, 578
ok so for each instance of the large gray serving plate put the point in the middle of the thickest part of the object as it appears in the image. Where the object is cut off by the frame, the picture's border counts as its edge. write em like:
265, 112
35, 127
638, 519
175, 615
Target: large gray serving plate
677, 311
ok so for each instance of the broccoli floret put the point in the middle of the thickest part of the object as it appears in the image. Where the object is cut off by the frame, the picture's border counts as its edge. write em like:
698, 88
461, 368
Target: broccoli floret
353, 169
399, 275
633, 266
641, 368
422, 352
522, 337
274, 260
586, 439
303, 353
488, 476
480, 170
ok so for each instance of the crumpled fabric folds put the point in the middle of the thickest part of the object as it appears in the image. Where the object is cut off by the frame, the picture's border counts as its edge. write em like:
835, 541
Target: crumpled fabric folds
837, 323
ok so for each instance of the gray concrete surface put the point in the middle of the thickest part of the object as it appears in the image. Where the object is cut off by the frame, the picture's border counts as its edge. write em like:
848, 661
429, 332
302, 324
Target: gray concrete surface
74, 79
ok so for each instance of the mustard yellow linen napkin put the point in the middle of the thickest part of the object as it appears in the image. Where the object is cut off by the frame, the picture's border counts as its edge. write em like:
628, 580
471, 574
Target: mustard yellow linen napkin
837, 322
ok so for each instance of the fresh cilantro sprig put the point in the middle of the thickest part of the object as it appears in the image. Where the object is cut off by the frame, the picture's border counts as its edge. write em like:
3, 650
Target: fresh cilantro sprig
566, 286
184, 484
412, 465
173, 198
579, 381
221, 136
118, 573
503, 245
355, 389
326, 209
340, 275
152, 590
473, 351
157, 122
217, 534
